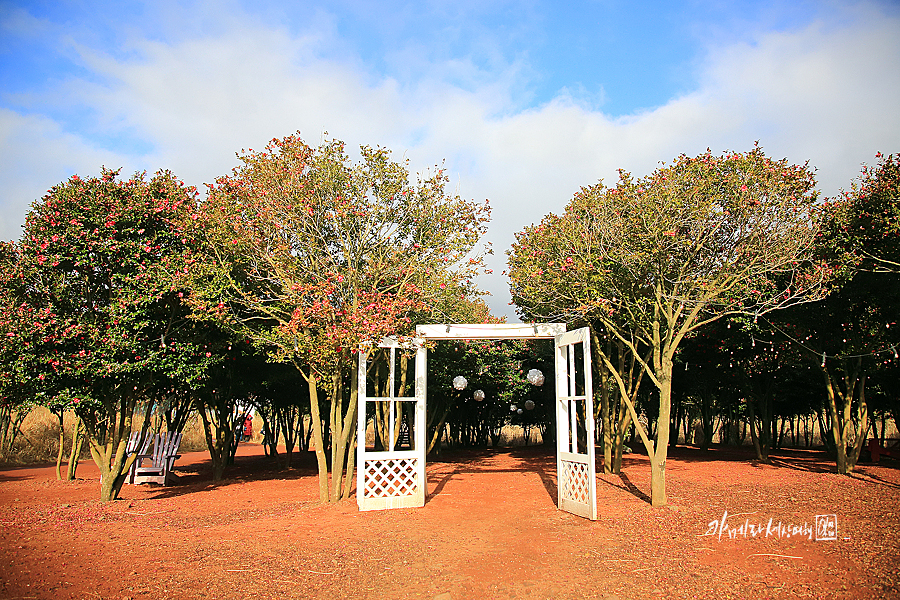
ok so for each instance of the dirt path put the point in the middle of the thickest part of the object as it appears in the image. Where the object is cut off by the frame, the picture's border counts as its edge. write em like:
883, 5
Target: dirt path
490, 529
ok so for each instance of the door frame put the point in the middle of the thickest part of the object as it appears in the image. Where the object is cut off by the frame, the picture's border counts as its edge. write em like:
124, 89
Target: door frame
410, 465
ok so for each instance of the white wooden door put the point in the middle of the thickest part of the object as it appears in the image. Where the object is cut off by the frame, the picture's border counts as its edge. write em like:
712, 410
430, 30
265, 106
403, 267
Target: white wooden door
390, 470
575, 467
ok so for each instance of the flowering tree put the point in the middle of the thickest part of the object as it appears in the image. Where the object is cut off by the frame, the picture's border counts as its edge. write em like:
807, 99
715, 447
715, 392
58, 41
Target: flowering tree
656, 258
863, 227
223, 395
313, 257
15, 338
853, 331
102, 255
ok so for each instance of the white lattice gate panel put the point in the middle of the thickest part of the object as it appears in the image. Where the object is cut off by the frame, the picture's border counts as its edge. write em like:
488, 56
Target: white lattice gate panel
577, 482
576, 473
391, 477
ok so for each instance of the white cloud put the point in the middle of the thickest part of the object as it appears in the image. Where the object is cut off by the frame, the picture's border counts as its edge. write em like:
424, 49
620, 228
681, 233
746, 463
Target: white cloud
823, 94
35, 154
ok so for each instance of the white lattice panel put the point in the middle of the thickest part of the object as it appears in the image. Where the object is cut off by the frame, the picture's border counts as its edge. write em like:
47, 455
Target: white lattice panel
388, 478
576, 482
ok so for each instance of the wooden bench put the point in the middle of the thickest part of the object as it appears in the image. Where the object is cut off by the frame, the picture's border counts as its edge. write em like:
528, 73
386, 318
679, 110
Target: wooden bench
162, 460
137, 446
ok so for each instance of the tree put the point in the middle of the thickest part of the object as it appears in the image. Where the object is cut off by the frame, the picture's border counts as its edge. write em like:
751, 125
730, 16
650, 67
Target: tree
498, 369
853, 331
16, 395
751, 362
103, 254
862, 228
656, 258
315, 258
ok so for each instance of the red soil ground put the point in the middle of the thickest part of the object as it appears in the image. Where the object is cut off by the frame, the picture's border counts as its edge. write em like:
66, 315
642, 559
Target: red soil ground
490, 529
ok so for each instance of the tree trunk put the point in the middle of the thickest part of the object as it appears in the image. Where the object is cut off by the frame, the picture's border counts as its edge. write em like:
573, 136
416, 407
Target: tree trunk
75, 454
863, 428
806, 439
602, 392
108, 438
624, 424
606, 421
62, 443
318, 438
438, 431
219, 431
820, 421
658, 479
287, 420
658, 461
839, 403
269, 428
707, 420
343, 428
760, 427
11, 418
674, 424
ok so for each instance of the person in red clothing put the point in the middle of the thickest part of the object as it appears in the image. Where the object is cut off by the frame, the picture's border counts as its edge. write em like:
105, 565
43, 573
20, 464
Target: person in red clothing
248, 428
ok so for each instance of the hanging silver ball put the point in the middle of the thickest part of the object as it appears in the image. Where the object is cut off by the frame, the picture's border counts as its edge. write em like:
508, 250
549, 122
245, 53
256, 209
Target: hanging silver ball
535, 377
460, 383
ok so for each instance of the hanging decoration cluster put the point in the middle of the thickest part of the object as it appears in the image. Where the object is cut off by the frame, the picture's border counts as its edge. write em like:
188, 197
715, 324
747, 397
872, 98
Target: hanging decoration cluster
535, 377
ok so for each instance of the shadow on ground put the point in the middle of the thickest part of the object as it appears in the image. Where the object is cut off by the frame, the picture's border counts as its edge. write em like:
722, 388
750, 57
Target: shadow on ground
531, 459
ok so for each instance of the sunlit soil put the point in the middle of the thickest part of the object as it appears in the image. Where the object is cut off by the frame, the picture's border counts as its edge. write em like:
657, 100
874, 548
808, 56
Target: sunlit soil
490, 529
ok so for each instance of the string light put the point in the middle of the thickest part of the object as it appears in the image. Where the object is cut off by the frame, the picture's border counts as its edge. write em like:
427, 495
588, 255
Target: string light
805, 347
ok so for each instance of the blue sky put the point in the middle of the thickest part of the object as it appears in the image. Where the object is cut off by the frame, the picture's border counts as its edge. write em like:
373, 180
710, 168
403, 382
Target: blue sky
525, 101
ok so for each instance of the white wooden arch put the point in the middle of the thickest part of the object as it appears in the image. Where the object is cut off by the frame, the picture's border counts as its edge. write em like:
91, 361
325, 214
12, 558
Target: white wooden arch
395, 478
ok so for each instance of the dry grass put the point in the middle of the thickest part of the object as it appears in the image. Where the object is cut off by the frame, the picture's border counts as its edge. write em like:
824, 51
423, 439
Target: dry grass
514, 435
38, 438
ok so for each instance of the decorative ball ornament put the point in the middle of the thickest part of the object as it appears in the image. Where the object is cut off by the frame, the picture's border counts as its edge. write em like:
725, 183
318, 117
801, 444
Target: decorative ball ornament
529, 405
519, 411
512, 408
460, 383
535, 377
479, 395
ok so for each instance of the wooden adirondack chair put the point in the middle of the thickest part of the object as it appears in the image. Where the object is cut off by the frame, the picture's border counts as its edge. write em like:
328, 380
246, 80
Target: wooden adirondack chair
165, 453
134, 447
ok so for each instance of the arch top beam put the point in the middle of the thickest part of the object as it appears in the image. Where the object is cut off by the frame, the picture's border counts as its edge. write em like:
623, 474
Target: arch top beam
486, 331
